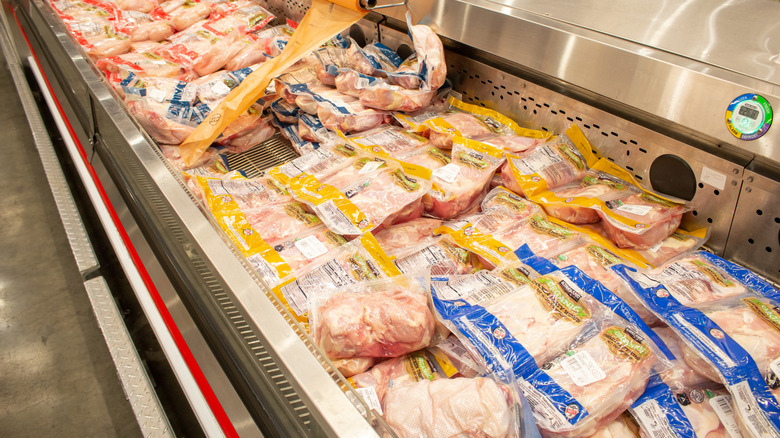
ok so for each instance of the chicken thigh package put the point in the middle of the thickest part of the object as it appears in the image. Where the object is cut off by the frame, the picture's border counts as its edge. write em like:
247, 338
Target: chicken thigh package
729, 323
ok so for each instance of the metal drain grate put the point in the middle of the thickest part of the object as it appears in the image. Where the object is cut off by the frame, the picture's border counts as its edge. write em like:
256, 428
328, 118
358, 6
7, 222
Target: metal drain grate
272, 152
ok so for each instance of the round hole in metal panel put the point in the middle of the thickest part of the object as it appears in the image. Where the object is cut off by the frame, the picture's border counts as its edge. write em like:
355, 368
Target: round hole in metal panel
404, 51
357, 34
671, 175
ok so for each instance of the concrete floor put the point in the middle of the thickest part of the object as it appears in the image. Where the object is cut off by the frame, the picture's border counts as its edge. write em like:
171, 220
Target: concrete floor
56, 374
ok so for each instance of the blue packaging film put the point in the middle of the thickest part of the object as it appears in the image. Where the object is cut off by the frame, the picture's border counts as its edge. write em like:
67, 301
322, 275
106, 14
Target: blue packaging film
597, 291
754, 403
658, 412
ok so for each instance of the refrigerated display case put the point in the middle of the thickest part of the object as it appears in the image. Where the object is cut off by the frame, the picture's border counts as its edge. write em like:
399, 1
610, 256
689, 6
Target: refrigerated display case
657, 89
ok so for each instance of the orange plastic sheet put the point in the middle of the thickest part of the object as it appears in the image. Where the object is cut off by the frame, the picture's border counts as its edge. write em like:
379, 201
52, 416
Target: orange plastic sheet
322, 21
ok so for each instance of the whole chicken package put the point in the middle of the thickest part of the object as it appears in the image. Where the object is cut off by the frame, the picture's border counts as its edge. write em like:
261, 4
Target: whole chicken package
383, 318
729, 322
92, 23
588, 368
357, 261
369, 194
559, 161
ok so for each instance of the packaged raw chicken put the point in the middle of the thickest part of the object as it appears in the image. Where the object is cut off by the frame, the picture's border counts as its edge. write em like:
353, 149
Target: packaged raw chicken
142, 26
200, 49
357, 261
448, 359
680, 242
372, 60
733, 340
407, 234
210, 164
285, 112
143, 64
241, 16
680, 372
522, 140
185, 13
321, 164
332, 59
290, 132
253, 47
383, 318
99, 38
500, 210
248, 130
389, 141
306, 76
167, 122
559, 161
247, 194
301, 249
462, 406
310, 128
462, 183
354, 365
360, 198
442, 123
277, 222
435, 256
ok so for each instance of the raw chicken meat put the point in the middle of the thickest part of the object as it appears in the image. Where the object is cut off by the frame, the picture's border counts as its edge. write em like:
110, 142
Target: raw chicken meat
248, 130
429, 158
623, 368
143, 64
394, 98
435, 256
185, 13
678, 243
556, 162
512, 143
461, 183
542, 307
201, 49
475, 407
381, 320
99, 39
429, 53
351, 82
237, 16
142, 27
456, 123
640, 221
616, 429
248, 194
704, 420
543, 237
391, 140
680, 374
308, 247
155, 118
748, 328
354, 365
693, 280
349, 118
572, 202
594, 260
276, 222
406, 234
251, 53
144, 6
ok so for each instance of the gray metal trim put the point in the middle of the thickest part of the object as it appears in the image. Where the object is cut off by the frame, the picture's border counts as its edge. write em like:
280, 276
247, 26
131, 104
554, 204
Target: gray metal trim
74, 228
132, 374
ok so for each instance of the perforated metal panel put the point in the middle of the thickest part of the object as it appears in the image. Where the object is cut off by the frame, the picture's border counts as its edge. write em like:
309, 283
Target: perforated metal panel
270, 153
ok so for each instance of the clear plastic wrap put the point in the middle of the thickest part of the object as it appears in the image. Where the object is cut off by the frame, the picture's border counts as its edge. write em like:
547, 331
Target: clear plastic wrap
391, 141
680, 242
142, 64
321, 164
383, 318
142, 26
185, 13
200, 49
407, 234
241, 16
435, 256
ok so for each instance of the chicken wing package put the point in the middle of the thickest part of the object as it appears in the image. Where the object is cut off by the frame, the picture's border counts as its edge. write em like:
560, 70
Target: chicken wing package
367, 195
357, 261
383, 318
588, 368
441, 123
477, 406
462, 183
561, 160
727, 318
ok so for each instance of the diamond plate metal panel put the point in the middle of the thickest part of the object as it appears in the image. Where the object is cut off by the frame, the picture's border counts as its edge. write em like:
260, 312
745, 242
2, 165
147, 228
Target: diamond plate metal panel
135, 382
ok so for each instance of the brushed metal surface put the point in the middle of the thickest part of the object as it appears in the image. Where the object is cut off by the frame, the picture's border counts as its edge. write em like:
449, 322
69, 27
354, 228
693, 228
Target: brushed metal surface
755, 236
135, 382
687, 96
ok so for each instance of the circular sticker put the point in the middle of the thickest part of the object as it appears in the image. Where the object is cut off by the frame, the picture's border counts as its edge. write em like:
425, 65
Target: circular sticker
661, 293
696, 395
749, 116
571, 411
499, 333
717, 334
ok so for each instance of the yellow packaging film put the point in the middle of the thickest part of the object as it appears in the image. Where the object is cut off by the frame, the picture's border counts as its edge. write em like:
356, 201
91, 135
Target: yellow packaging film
322, 21
557, 162
484, 245
333, 207
611, 168
320, 163
359, 260
492, 118
627, 254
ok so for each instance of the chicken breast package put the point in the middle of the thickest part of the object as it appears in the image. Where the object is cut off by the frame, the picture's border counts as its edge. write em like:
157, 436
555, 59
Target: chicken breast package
560, 160
584, 373
390, 141
383, 318
369, 194
92, 24
727, 336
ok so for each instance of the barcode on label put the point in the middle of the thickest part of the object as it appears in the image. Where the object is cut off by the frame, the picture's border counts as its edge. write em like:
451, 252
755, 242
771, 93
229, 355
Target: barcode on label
311, 247
582, 369
653, 420
722, 406
337, 220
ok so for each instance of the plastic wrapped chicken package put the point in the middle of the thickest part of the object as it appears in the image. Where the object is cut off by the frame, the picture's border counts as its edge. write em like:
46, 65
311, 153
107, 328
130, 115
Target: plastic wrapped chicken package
595, 366
727, 319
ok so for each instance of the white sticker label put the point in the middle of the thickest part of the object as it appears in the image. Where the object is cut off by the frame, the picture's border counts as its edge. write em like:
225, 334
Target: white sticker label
582, 369
371, 398
639, 210
156, 94
447, 173
220, 88
654, 422
158, 62
656, 247
713, 178
370, 167
545, 412
722, 406
311, 247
